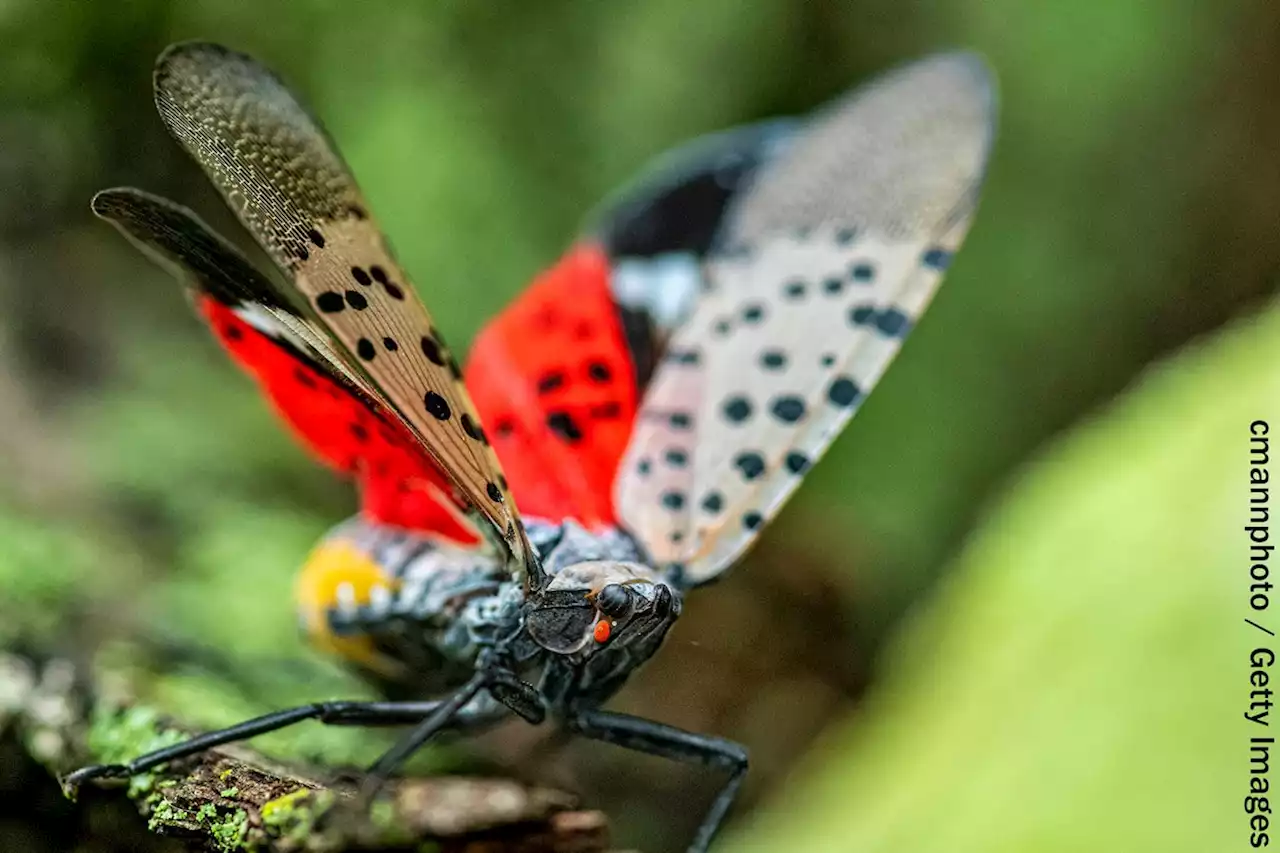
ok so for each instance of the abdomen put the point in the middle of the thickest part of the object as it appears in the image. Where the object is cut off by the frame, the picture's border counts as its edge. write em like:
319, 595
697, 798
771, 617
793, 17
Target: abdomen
399, 607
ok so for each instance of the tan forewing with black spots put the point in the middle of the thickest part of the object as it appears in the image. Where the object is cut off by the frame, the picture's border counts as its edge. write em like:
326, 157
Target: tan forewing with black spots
287, 183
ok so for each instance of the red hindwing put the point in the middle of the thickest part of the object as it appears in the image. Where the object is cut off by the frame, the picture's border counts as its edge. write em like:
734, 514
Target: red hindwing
554, 383
551, 376
399, 484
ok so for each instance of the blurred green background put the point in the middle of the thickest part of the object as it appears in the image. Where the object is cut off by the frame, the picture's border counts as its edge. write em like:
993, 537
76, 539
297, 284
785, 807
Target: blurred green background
1004, 614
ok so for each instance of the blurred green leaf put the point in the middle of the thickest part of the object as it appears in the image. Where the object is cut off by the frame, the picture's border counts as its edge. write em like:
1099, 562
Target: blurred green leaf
1079, 681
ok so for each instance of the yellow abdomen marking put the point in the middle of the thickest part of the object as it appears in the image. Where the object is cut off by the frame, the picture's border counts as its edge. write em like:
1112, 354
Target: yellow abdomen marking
338, 575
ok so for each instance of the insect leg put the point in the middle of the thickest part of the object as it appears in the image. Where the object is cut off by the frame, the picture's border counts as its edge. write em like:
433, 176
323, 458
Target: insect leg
520, 696
439, 718
332, 713
656, 738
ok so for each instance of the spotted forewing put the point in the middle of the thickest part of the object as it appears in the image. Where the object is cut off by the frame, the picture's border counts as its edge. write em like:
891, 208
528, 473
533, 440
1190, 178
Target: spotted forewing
824, 266
285, 180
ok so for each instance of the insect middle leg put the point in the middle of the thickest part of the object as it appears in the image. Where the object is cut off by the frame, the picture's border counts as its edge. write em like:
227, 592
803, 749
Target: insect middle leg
657, 738
518, 696
341, 713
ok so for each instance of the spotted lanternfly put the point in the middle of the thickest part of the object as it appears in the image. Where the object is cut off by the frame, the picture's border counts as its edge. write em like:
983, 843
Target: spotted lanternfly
653, 399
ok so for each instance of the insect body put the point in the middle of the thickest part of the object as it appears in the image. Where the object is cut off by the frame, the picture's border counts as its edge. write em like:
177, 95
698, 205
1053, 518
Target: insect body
651, 401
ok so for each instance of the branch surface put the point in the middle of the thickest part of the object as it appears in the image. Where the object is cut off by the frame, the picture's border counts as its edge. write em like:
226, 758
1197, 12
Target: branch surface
232, 798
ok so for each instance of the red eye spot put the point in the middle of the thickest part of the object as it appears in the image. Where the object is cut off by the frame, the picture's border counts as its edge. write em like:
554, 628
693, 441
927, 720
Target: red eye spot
602, 631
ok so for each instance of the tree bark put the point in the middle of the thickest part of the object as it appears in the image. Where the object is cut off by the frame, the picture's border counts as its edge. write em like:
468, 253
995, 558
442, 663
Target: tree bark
232, 798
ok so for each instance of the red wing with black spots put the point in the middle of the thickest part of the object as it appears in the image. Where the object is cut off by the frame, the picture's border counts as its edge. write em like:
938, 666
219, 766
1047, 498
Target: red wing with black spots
321, 401
558, 375
554, 380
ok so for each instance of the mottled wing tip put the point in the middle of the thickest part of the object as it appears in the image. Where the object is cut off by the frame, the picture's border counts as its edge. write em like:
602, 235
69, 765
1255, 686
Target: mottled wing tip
143, 214
150, 221
962, 65
264, 151
180, 242
975, 80
902, 154
189, 57
197, 86
114, 203
178, 65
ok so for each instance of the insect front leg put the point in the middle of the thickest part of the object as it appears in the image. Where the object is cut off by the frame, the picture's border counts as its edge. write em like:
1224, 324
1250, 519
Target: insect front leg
342, 713
517, 695
656, 738
442, 716
520, 696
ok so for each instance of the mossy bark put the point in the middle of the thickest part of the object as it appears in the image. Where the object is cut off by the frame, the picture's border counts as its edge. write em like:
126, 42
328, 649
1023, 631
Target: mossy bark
232, 798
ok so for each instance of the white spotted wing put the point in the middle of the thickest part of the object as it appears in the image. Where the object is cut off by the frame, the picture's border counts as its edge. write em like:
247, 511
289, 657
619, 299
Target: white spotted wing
284, 179
826, 264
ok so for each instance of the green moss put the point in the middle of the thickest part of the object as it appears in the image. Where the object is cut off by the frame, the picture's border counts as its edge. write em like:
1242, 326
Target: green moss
294, 815
229, 792
165, 813
229, 833
118, 736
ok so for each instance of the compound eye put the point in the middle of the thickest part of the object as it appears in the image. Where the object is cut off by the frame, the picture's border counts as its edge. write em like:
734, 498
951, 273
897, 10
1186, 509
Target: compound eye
614, 601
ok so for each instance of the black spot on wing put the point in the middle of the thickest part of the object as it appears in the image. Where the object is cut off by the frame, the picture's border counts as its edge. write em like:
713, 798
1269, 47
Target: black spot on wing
787, 408
893, 323
843, 392
598, 371
431, 349
797, 462
750, 464
936, 258
861, 315
330, 302
550, 381
436, 406
736, 408
563, 425
472, 429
